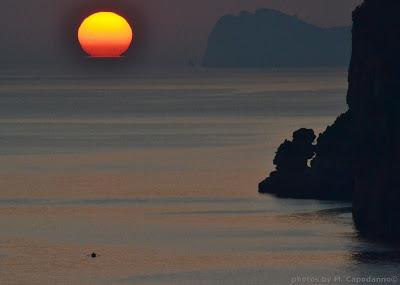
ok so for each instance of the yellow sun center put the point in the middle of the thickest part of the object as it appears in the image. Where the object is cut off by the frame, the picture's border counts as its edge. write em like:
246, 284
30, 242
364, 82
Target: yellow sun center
105, 34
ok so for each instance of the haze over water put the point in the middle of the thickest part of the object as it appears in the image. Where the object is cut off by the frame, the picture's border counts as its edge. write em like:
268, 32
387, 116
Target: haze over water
157, 172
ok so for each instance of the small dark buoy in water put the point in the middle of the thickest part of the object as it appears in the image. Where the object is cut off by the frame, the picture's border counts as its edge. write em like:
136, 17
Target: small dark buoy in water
93, 255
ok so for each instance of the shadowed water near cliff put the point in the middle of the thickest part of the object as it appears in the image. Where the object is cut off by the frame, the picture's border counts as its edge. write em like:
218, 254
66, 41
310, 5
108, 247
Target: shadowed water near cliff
156, 175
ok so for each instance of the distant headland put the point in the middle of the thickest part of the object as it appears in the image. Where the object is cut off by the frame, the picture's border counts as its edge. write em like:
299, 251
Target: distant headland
358, 157
269, 38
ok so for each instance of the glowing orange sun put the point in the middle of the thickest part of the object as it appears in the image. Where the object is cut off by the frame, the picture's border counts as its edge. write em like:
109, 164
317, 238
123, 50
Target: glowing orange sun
105, 34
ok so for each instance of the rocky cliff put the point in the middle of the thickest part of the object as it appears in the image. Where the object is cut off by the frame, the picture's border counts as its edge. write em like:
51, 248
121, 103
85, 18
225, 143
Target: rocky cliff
374, 98
328, 171
359, 155
269, 38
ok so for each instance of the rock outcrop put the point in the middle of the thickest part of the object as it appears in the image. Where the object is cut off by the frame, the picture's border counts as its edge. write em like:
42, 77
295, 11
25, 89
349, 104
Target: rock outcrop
292, 170
359, 155
332, 167
374, 98
269, 38
331, 173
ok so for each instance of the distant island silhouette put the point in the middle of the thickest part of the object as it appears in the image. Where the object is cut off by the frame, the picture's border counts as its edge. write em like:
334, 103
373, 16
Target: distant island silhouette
269, 38
358, 157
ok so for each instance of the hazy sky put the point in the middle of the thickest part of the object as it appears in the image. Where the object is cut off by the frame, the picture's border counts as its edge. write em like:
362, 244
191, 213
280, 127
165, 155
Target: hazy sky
169, 31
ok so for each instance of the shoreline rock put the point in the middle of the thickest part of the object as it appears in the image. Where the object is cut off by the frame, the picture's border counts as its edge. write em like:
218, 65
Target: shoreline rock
330, 174
358, 157
374, 95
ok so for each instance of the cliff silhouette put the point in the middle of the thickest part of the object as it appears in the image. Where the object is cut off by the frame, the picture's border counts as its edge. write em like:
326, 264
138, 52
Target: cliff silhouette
374, 97
269, 38
327, 171
358, 157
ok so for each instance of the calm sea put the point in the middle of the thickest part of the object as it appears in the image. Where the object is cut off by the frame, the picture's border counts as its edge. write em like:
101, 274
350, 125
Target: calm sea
157, 173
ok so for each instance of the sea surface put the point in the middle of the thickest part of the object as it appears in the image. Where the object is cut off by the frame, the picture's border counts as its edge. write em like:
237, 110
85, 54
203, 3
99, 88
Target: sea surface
156, 171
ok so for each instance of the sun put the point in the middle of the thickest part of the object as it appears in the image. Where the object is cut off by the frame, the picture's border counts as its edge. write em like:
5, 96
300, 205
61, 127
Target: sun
105, 34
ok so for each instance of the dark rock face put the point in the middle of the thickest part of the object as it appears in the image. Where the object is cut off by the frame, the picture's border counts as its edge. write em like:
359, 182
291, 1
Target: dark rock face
332, 166
293, 155
359, 155
374, 98
292, 170
331, 175
270, 38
